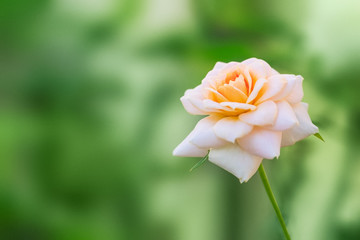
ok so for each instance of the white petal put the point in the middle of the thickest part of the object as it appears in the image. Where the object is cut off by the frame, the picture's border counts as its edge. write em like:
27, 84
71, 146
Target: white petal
249, 61
261, 142
204, 135
212, 106
304, 129
258, 86
212, 75
219, 65
230, 67
231, 128
236, 105
187, 149
289, 86
297, 93
192, 101
259, 68
190, 107
204, 106
285, 119
232, 107
265, 114
236, 161
274, 85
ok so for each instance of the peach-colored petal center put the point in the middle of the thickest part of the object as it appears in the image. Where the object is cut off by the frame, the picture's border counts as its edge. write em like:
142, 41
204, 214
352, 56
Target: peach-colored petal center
237, 84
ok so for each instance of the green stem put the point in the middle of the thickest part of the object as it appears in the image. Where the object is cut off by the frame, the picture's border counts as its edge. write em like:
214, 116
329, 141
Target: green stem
271, 196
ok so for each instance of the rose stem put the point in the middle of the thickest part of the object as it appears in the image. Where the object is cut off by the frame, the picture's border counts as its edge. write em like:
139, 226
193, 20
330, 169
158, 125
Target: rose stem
271, 196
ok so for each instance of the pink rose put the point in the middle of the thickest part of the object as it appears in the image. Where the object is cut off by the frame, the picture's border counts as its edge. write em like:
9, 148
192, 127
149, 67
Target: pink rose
253, 111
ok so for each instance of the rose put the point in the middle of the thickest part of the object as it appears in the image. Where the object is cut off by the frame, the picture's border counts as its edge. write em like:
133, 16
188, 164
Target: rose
253, 112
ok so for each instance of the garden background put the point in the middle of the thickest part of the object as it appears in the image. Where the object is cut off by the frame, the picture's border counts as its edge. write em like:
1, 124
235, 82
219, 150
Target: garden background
90, 114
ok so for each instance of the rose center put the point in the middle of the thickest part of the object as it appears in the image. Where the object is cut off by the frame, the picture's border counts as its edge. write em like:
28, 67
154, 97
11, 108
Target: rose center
233, 88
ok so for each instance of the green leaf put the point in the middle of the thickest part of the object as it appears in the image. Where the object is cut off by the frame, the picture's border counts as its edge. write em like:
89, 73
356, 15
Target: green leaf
319, 136
198, 164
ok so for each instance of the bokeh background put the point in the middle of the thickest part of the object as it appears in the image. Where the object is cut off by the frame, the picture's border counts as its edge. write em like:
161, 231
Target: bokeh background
90, 114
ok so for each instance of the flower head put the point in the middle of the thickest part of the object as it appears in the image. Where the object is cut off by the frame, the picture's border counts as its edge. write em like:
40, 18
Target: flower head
253, 112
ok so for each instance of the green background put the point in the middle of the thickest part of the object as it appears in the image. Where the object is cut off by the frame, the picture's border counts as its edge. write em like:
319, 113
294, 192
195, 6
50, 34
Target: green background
90, 114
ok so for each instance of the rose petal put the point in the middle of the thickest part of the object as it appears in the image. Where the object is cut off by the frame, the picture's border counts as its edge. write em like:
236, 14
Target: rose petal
235, 105
236, 161
258, 86
207, 106
285, 119
265, 114
187, 149
304, 129
247, 78
219, 65
261, 142
249, 61
190, 107
211, 106
297, 93
289, 86
274, 85
259, 68
192, 101
231, 128
239, 83
214, 73
232, 93
204, 135
228, 69
217, 96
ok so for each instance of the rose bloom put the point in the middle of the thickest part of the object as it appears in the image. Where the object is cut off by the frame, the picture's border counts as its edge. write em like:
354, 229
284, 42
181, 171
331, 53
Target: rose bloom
253, 111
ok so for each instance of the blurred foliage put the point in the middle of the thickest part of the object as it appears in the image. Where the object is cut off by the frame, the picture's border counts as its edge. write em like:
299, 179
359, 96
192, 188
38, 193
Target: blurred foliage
90, 113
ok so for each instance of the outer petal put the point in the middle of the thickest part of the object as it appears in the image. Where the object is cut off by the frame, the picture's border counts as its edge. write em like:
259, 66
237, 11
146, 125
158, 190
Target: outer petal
212, 106
192, 101
231, 128
304, 129
249, 61
236, 161
219, 65
265, 114
204, 106
190, 105
204, 135
297, 93
285, 119
259, 68
291, 81
212, 75
187, 149
261, 142
273, 86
